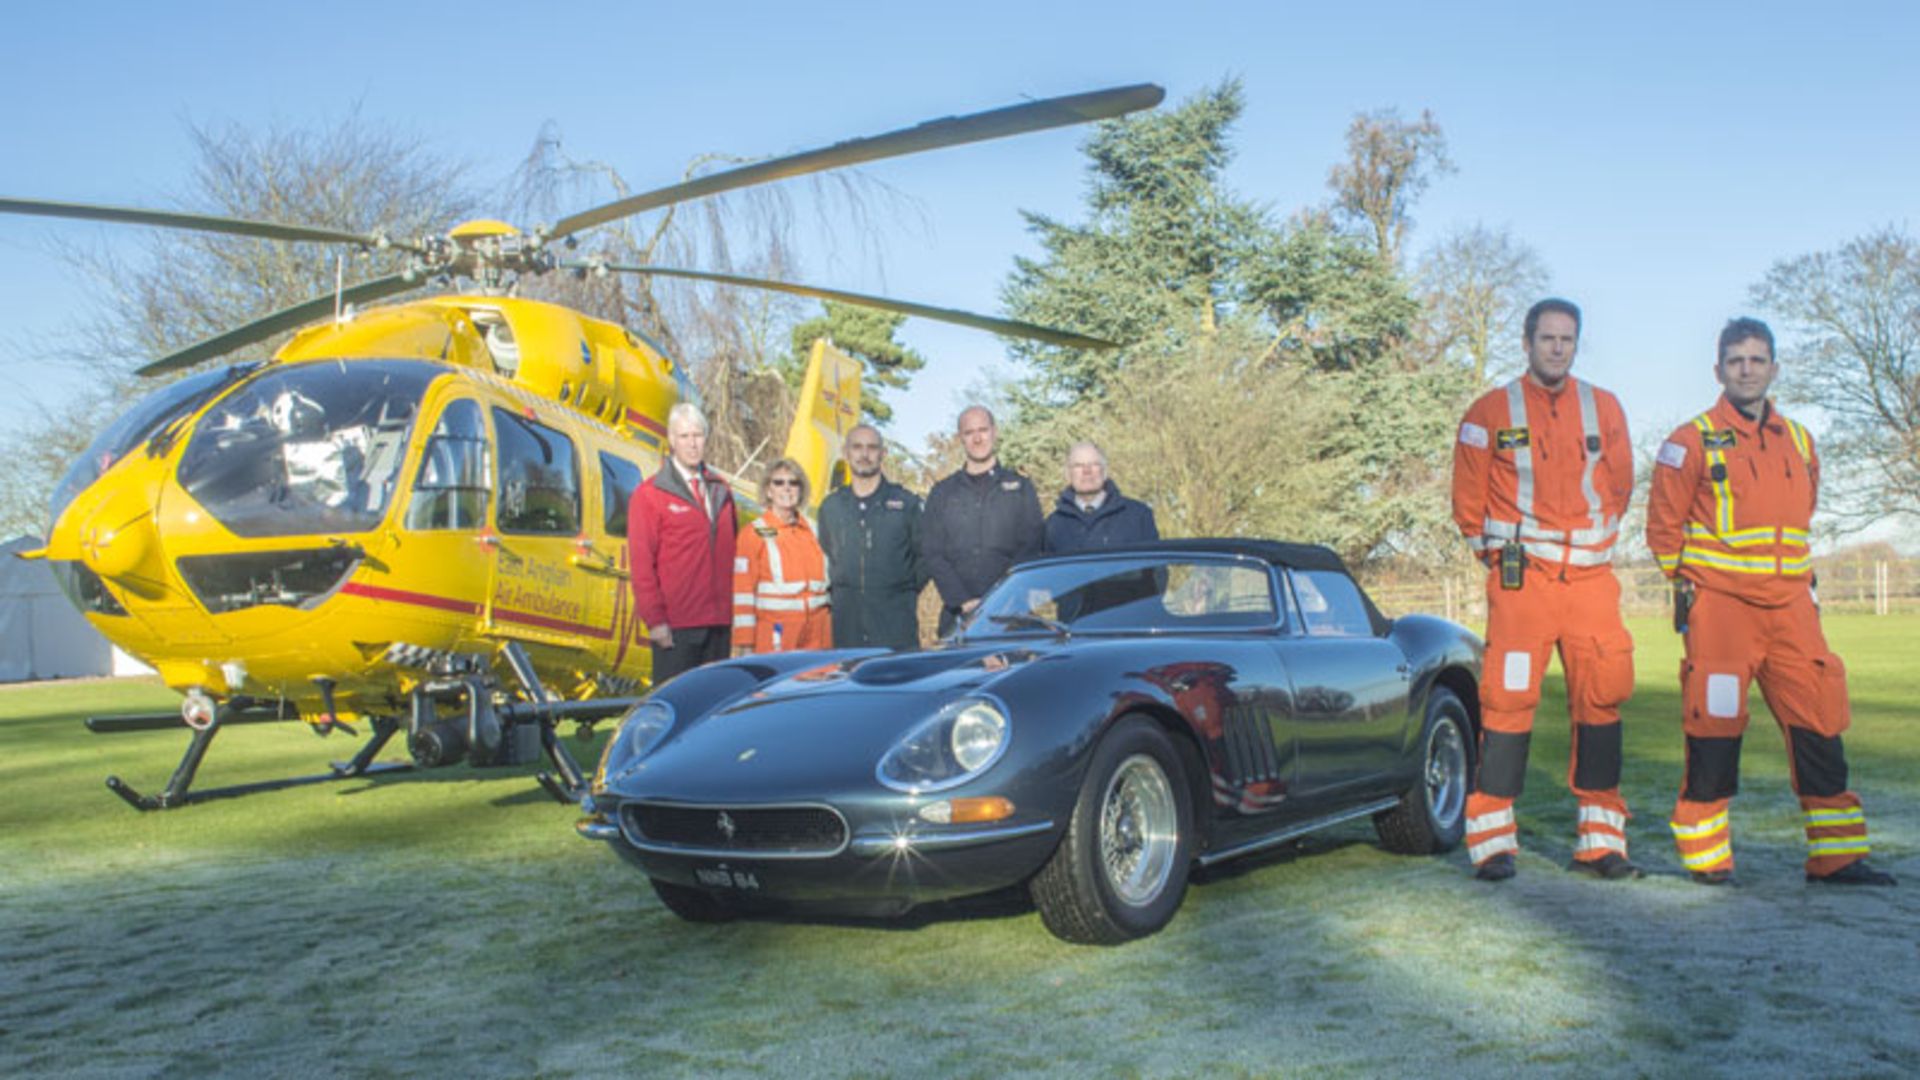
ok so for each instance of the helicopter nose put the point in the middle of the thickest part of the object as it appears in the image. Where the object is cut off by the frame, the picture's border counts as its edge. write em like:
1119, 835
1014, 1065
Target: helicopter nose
115, 551
118, 541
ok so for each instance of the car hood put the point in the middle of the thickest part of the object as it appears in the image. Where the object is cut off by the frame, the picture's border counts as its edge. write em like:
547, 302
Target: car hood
817, 730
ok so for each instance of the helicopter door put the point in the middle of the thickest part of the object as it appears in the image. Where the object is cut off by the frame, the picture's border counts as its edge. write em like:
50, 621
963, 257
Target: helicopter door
435, 574
540, 595
607, 555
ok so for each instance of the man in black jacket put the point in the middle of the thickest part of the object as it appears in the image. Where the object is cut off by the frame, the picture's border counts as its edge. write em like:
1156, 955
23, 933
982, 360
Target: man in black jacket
979, 521
870, 530
1091, 512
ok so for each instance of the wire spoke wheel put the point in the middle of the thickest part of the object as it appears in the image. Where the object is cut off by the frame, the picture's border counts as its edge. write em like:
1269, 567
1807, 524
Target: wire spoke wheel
1431, 815
1139, 830
1446, 774
1120, 871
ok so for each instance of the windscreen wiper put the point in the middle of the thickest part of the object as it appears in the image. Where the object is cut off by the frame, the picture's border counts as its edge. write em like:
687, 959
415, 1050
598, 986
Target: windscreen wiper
1027, 618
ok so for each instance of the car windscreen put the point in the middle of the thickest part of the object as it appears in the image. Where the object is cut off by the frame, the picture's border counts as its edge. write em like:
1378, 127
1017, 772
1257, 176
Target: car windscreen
1147, 594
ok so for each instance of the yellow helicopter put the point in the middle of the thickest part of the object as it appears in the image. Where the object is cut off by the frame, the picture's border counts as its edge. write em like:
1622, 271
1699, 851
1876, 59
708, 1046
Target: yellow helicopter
413, 517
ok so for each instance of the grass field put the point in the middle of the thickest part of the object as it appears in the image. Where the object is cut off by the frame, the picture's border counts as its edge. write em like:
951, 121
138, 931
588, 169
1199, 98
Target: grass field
451, 924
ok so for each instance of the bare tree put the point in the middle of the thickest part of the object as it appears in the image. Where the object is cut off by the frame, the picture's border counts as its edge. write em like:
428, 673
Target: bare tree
177, 287
1476, 284
732, 340
1390, 162
1852, 320
1217, 441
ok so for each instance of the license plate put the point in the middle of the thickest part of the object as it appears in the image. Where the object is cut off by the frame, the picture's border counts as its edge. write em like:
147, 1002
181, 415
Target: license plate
723, 878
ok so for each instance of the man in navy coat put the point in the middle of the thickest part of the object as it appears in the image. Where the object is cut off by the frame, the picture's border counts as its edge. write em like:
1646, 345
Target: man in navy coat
1091, 512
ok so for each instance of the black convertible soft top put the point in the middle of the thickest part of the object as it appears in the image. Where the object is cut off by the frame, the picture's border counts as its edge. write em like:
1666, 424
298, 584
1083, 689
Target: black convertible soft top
1280, 553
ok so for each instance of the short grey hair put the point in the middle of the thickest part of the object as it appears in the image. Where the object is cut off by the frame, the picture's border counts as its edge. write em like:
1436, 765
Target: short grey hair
686, 412
1085, 445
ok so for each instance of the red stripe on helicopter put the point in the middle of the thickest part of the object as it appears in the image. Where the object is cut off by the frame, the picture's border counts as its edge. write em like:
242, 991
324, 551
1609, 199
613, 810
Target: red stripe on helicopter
464, 607
402, 596
527, 618
634, 416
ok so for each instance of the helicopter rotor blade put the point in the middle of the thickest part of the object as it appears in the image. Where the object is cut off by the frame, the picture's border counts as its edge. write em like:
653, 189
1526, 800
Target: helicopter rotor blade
133, 215
1003, 327
287, 318
932, 135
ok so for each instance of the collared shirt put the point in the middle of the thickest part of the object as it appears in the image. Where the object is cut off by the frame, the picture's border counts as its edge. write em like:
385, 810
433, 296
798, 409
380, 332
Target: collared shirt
696, 482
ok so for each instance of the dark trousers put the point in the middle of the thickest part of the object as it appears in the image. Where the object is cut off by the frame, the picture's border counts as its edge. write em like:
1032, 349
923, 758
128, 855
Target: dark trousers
692, 646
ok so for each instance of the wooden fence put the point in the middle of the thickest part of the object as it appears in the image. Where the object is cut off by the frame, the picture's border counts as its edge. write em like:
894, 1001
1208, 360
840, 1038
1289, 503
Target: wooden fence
1878, 586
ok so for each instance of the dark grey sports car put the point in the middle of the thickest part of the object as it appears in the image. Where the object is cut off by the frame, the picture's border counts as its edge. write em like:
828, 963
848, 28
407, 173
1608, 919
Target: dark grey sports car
1100, 725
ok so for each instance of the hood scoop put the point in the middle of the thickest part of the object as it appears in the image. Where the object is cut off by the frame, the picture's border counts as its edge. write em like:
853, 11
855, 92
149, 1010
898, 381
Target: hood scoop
913, 667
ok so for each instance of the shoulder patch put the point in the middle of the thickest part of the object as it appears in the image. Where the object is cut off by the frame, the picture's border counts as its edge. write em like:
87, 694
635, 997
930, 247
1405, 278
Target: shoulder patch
1672, 455
1512, 438
1472, 434
1719, 440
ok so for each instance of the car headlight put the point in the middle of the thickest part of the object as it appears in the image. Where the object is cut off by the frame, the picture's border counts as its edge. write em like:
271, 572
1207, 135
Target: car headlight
956, 744
640, 731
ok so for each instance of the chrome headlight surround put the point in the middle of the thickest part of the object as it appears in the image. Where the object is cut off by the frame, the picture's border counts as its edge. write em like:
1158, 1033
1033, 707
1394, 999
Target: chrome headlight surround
961, 741
641, 730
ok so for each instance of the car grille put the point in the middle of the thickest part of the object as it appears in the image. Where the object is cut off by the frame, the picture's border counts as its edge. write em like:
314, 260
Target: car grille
807, 830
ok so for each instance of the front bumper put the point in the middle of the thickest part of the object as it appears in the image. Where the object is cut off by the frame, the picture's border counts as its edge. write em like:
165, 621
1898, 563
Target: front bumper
887, 863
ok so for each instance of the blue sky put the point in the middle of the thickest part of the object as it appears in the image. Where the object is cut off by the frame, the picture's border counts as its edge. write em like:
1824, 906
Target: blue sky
1659, 157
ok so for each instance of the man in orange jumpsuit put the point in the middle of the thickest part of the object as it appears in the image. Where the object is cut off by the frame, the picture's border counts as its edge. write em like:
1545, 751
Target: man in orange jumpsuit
780, 600
1733, 497
1542, 471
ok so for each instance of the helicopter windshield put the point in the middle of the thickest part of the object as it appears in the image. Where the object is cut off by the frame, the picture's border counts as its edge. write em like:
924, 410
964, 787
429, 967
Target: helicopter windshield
150, 415
309, 449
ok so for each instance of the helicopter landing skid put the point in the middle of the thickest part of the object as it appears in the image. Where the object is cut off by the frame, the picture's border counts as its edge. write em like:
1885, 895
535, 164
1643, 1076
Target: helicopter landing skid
178, 791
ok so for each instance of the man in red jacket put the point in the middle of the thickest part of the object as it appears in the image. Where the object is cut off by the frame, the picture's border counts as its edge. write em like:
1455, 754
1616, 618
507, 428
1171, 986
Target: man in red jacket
1733, 496
680, 534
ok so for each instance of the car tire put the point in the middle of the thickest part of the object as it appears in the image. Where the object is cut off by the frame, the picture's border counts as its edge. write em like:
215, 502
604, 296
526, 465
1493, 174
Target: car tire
1121, 870
1432, 815
691, 904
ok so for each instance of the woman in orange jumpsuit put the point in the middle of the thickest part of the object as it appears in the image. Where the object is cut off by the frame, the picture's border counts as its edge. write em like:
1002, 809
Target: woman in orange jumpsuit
780, 573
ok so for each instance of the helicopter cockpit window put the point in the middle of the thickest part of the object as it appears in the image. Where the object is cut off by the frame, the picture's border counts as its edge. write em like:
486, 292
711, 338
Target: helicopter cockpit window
618, 479
539, 477
155, 413
455, 479
309, 449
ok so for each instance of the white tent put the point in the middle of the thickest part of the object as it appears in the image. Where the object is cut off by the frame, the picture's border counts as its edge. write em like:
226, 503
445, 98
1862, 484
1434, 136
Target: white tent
41, 635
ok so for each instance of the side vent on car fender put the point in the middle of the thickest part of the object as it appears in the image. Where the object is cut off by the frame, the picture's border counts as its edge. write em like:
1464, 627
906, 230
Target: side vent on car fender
1247, 740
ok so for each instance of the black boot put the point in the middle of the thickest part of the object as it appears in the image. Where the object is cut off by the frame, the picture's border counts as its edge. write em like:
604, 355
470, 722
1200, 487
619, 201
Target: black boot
1854, 873
1612, 866
1497, 868
1712, 877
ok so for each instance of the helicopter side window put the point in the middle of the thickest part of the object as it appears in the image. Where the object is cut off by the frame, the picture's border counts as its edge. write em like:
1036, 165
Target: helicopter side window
454, 484
539, 477
618, 479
